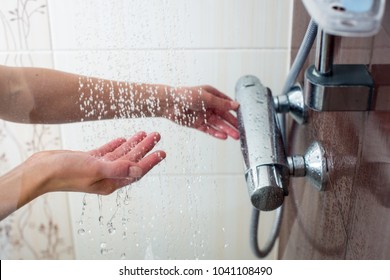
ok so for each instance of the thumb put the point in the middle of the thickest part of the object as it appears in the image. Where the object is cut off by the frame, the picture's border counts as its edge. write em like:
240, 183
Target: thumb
121, 169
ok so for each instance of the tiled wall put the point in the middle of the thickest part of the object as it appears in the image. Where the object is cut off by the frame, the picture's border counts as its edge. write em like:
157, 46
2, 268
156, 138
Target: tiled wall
41, 229
195, 204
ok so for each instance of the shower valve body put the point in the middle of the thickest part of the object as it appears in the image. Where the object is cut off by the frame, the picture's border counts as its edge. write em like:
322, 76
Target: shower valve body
268, 169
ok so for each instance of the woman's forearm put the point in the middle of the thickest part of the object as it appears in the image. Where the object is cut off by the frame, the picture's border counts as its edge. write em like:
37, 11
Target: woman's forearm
38, 95
20, 186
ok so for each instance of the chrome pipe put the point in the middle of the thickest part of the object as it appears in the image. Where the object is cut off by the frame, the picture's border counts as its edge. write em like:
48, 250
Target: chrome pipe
324, 53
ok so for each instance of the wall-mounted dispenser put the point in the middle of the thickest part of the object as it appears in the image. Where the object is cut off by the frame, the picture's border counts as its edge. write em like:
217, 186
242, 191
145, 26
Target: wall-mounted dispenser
349, 18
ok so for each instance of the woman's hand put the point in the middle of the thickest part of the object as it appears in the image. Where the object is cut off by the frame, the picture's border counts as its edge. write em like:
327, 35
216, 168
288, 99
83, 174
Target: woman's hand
203, 108
103, 170
100, 171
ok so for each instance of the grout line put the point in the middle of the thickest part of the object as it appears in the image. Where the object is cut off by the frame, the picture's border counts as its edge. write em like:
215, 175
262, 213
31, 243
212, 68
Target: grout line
166, 49
146, 49
49, 18
197, 174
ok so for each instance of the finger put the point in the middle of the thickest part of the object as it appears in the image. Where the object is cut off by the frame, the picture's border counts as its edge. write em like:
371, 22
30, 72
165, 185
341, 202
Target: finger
143, 147
126, 147
145, 165
150, 161
109, 185
119, 169
112, 175
215, 92
108, 147
223, 126
234, 104
219, 103
229, 117
212, 131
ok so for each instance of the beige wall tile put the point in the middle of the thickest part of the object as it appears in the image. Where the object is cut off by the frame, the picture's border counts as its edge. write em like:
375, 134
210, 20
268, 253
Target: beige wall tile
169, 24
24, 26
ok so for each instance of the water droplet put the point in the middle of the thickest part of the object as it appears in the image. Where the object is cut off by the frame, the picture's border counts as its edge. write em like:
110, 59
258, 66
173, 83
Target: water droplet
105, 251
111, 230
81, 231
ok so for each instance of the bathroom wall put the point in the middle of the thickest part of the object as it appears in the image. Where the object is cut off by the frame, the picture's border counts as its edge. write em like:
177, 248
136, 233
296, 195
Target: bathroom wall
194, 205
42, 229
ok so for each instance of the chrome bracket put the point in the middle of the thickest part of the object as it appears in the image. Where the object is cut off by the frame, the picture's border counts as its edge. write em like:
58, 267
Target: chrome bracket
336, 87
347, 88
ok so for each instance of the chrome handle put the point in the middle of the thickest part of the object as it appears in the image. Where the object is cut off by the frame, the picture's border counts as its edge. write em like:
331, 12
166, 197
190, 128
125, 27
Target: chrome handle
261, 145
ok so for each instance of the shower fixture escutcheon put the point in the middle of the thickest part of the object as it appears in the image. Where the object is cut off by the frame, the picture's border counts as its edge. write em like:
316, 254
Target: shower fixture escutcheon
268, 169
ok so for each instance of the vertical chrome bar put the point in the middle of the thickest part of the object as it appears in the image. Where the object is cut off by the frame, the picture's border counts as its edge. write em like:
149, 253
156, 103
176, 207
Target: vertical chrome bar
324, 53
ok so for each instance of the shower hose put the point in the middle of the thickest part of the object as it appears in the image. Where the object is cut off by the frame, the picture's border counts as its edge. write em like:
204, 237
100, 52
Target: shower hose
296, 67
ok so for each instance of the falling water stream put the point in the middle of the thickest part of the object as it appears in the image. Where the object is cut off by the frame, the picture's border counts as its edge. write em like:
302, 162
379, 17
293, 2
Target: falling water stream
141, 220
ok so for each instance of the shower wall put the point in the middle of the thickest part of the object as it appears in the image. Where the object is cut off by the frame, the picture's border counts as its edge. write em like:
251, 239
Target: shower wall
194, 205
349, 219
42, 229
